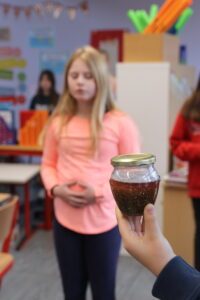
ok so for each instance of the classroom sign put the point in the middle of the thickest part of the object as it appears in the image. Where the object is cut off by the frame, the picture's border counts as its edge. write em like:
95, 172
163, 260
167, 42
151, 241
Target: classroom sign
11, 63
10, 51
42, 38
12, 75
54, 61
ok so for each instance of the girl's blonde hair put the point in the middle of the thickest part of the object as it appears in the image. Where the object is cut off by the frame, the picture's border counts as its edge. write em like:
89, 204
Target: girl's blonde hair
103, 101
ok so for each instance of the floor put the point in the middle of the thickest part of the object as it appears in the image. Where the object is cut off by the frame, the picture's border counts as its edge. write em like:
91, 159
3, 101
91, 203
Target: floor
36, 277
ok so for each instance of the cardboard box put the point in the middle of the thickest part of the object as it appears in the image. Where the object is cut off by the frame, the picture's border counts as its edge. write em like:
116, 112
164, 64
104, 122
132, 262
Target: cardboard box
150, 48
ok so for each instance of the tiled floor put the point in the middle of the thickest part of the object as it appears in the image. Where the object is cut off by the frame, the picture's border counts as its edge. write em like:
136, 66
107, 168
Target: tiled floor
36, 277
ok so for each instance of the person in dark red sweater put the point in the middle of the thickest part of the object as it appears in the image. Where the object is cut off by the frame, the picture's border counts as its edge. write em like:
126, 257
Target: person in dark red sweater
185, 144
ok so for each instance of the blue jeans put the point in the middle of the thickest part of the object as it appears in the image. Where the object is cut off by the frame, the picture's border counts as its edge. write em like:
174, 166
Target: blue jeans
84, 259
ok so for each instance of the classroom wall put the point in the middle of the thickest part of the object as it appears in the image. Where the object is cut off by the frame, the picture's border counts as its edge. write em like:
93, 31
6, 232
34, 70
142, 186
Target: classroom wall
104, 14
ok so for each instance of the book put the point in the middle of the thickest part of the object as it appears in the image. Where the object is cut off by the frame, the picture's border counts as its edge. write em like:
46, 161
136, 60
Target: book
7, 128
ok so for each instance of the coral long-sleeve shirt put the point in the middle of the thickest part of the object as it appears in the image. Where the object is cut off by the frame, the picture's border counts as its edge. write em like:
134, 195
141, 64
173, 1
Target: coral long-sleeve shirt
67, 156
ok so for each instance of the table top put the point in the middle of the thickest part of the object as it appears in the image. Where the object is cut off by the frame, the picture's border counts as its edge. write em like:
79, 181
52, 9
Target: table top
18, 150
17, 173
4, 197
176, 185
19, 147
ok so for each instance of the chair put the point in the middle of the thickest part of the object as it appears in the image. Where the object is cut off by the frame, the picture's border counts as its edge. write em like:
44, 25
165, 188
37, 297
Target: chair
13, 174
8, 218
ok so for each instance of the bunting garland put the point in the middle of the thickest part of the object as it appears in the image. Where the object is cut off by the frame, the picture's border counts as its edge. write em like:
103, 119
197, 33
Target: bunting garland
27, 11
71, 12
54, 9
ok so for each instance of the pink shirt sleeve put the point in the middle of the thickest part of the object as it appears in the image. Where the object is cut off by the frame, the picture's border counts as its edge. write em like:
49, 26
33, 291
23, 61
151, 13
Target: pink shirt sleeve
49, 159
129, 142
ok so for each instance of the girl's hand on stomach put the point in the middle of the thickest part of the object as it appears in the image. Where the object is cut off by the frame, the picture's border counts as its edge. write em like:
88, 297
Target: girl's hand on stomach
87, 192
71, 196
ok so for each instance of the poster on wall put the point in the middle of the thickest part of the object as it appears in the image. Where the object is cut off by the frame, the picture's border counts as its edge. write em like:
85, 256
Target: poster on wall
12, 74
54, 61
5, 35
42, 38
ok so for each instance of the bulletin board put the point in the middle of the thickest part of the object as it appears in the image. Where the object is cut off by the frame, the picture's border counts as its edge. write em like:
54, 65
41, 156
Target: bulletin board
13, 76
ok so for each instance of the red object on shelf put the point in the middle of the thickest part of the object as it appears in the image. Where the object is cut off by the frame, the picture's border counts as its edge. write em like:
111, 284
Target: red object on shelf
32, 123
103, 35
25, 115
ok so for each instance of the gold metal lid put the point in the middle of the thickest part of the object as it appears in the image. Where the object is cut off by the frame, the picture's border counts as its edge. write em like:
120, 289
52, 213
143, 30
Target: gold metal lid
133, 160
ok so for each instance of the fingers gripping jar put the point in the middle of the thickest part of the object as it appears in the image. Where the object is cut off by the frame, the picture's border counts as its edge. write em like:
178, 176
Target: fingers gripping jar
134, 182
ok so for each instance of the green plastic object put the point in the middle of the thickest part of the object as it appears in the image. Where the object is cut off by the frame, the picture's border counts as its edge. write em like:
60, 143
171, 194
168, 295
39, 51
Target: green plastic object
188, 12
153, 12
142, 18
135, 20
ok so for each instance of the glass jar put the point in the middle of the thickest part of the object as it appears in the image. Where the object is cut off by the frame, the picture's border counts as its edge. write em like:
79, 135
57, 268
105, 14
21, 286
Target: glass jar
134, 182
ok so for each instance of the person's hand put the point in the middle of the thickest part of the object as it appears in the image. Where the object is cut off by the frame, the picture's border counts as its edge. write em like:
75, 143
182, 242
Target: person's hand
143, 239
73, 198
87, 192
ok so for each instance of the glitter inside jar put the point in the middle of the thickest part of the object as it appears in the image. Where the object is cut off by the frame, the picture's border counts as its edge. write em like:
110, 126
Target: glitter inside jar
134, 182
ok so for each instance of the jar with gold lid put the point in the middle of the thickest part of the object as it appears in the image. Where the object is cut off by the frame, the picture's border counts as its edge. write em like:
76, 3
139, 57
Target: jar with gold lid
134, 182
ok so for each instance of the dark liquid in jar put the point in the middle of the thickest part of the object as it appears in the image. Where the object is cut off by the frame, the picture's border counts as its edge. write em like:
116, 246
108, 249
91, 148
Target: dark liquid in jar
131, 198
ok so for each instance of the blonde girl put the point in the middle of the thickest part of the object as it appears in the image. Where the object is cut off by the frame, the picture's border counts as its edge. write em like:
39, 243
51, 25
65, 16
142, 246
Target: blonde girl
84, 132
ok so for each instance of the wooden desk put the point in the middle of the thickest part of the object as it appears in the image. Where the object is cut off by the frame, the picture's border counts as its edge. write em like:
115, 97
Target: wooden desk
179, 226
17, 150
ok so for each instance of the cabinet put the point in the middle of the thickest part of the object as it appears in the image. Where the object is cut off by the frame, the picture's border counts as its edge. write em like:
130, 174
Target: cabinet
178, 221
152, 94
